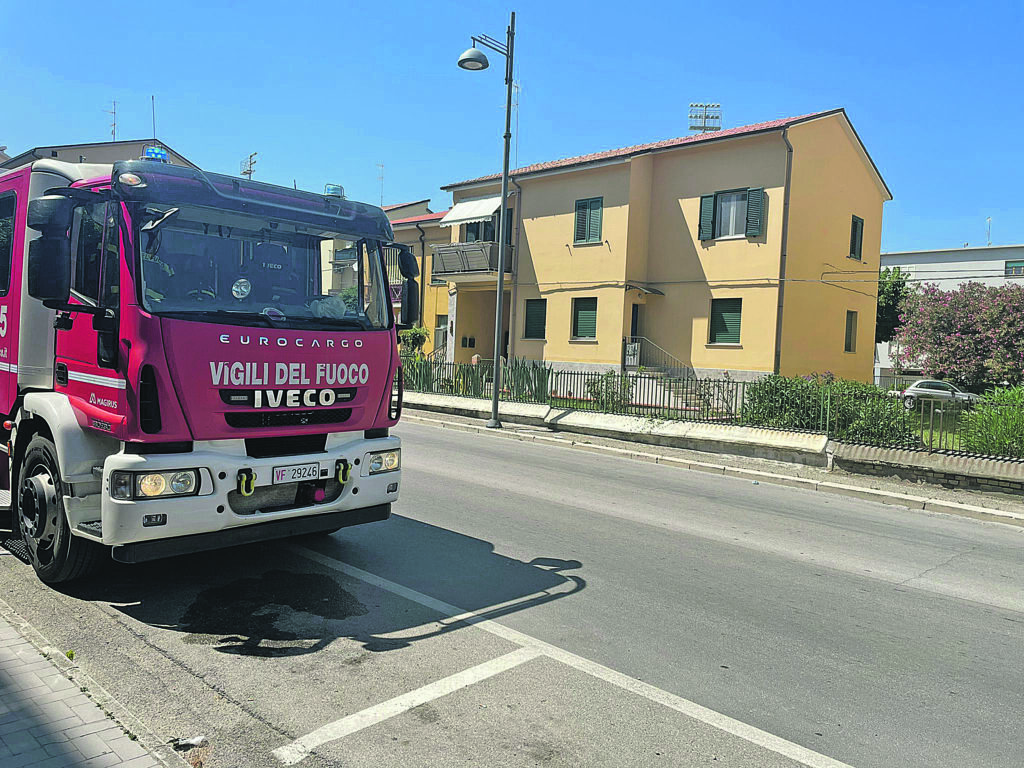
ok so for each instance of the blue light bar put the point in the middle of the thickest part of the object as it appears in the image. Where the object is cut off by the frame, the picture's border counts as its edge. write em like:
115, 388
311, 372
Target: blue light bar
158, 154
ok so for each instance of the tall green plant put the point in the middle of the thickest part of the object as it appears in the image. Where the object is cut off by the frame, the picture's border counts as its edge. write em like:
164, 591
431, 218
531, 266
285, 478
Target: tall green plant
528, 380
995, 425
611, 392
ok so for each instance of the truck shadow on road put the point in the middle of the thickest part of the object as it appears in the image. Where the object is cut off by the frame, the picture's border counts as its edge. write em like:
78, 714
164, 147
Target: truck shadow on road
276, 599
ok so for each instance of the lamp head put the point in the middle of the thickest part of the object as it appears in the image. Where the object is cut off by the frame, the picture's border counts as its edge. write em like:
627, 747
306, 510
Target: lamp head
473, 59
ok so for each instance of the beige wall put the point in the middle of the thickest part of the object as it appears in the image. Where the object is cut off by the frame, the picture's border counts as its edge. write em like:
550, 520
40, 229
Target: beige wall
691, 272
830, 184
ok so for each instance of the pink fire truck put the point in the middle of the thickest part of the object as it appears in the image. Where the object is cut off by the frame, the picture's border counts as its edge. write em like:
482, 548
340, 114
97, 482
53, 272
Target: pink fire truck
190, 361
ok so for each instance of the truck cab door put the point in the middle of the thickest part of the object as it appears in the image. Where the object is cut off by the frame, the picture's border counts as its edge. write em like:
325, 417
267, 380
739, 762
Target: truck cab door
93, 387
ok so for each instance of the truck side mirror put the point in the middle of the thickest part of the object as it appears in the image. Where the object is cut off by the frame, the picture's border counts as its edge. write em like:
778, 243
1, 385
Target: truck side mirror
407, 262
410, 304
51, 214
49, 269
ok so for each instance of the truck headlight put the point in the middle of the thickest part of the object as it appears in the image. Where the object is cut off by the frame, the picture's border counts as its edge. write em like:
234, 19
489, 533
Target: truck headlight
385, 461
151, 485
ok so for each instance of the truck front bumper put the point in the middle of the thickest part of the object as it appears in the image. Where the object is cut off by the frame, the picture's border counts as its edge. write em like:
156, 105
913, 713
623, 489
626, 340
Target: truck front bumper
219, 516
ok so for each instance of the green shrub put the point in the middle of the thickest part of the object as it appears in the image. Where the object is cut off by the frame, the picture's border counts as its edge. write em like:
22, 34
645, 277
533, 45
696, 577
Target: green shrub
413, 339
469, 380
419, 374
846, 410
995, 425
611, 392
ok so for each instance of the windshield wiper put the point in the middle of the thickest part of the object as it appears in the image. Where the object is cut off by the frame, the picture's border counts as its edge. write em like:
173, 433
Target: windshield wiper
222, 314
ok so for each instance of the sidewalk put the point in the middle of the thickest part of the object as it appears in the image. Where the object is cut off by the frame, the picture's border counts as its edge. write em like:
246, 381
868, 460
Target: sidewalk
47, 721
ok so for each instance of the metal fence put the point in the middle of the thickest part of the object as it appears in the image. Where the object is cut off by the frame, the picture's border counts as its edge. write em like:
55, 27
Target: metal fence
854, 413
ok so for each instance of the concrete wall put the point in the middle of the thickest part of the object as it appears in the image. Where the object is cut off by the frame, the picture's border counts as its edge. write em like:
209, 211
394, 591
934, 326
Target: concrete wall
831, 183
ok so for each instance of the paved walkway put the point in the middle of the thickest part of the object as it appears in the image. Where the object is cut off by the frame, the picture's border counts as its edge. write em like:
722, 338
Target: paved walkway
46, 721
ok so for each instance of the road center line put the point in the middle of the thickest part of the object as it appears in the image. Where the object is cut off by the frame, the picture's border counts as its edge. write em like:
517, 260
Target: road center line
749, 733
292, 753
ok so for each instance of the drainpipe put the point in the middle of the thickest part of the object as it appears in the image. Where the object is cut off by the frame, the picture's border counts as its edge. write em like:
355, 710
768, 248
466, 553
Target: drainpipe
515, 273
423, 270
783, 248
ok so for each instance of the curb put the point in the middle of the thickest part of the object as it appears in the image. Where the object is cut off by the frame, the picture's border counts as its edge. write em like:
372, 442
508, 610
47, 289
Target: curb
867, 494
114, 710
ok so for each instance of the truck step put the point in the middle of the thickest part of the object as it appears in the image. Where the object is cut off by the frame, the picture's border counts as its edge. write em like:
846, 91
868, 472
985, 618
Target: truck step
93, 528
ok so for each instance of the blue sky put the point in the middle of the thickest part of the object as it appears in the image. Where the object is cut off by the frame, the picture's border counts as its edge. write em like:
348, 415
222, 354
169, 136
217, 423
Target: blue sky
323, 92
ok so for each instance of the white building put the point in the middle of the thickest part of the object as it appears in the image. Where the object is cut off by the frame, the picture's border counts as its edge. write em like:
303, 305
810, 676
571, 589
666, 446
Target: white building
990, 264
948, 268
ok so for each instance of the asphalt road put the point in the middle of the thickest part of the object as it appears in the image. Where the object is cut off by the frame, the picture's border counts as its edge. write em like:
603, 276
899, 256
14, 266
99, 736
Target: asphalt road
635, 614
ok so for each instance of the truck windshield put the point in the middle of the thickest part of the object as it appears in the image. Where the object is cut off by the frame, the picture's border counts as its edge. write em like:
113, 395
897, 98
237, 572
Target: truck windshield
205, 264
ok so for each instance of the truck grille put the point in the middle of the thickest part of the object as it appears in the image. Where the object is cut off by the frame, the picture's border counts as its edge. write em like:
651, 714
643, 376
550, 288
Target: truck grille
289, 445
277, 498
257, 419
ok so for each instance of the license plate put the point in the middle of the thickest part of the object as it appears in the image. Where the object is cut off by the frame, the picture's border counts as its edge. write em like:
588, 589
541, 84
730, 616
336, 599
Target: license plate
294, 473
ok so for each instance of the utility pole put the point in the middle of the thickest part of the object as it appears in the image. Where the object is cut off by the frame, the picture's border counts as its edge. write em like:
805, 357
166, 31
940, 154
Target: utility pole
248, 165
113, 123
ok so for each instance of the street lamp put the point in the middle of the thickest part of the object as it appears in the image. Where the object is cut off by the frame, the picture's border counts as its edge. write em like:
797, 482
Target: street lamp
474, 59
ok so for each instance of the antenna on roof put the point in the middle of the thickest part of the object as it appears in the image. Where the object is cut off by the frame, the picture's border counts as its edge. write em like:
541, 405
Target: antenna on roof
113, 124
152, 102
988, 229
380, 178
705, 118
247, 167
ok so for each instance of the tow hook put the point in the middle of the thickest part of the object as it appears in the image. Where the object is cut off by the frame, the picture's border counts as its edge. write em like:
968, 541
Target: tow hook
342, 470
246, 482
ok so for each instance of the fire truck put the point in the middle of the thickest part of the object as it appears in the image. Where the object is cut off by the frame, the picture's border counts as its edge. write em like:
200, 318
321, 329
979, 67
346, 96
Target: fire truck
190, 361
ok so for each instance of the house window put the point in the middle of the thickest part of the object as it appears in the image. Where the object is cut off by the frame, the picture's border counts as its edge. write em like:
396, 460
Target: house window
1014, 269
588, 220
732, 213
536, 314
856, 237
441, 331
584, 318
8, 205
486, 231
851, 331
725, 321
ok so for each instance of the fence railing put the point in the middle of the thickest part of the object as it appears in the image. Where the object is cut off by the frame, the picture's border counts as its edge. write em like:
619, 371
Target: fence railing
858, 415
641, 352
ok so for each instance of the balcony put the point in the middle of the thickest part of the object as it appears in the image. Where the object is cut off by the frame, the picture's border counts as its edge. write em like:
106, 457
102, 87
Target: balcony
469, 262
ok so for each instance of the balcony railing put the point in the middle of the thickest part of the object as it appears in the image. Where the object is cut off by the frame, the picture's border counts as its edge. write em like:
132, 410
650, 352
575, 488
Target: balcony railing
462, 258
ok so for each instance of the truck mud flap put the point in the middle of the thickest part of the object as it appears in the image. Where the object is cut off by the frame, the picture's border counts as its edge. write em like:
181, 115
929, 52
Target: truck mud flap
247, 534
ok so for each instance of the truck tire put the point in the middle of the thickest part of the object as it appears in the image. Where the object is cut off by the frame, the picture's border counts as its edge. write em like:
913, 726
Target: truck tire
38, 506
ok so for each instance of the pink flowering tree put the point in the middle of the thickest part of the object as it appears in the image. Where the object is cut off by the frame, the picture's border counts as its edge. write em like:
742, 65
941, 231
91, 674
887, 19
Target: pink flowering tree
973, 335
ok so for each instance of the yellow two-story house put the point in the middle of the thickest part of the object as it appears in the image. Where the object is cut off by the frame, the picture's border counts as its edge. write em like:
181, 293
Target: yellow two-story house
744, 252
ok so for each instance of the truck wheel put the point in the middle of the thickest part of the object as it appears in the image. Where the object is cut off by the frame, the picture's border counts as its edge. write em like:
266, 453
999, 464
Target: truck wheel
38, 507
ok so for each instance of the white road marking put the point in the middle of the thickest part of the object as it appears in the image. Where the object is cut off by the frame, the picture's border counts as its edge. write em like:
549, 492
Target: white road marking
750, 733
292, 753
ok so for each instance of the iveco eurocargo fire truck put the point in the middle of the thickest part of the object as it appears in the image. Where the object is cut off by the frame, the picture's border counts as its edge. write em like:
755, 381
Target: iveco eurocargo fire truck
190, 361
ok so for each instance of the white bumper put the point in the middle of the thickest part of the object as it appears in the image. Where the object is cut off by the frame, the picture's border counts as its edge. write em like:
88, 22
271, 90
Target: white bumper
218, 463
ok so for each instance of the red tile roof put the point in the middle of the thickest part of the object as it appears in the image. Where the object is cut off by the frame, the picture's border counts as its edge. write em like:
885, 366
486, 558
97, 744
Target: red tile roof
611, 154
393, 206
420, 219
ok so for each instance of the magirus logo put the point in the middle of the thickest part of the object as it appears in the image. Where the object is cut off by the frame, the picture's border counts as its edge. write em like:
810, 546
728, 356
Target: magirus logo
93, 400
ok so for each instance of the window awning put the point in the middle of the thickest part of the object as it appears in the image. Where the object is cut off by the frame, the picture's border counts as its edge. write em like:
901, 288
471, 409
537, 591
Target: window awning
478, 209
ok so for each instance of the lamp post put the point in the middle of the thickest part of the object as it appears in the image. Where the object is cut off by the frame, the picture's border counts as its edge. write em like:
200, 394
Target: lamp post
474, 59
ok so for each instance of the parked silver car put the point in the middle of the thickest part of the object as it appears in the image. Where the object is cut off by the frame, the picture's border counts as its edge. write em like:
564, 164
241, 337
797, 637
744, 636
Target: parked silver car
932, 389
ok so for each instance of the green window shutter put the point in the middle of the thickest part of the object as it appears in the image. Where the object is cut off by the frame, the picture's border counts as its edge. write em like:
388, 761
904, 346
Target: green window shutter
584, 318
725, 321
755, 211
536, 319
594, 226
856, 237
582, 220
707, 217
